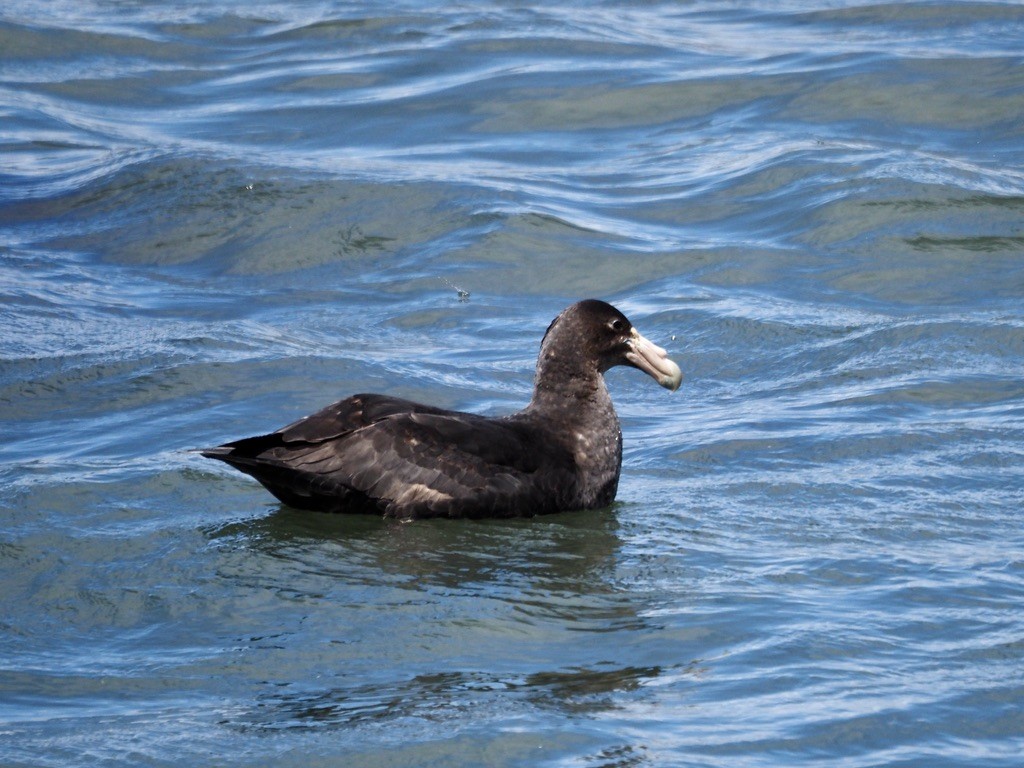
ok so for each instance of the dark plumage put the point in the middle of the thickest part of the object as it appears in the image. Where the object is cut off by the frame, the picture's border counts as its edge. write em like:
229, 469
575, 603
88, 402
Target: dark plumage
384, 455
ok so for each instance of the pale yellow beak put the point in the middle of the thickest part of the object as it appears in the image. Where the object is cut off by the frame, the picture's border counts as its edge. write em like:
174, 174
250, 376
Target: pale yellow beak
654, 361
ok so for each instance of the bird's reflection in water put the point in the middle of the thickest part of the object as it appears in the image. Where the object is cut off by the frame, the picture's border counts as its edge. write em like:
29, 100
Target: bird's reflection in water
445, 695
568, 551
527, 609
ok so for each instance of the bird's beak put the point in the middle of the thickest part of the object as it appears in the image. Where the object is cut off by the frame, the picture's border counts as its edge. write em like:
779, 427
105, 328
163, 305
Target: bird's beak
653, 360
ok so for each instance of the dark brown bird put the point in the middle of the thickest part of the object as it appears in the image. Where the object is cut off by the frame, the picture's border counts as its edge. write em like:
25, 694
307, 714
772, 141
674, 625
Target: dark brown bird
385, 455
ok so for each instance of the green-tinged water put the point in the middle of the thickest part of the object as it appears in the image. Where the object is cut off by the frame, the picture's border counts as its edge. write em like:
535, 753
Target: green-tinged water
217, 218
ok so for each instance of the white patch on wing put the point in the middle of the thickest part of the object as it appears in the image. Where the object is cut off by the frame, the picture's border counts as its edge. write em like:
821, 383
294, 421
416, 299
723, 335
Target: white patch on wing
419, 492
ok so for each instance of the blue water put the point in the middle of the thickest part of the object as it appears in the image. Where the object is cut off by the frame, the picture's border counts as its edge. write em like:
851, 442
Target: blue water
217, 217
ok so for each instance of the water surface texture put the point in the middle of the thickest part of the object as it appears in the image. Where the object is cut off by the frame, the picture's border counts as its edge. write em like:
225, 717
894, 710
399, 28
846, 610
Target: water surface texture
216, 217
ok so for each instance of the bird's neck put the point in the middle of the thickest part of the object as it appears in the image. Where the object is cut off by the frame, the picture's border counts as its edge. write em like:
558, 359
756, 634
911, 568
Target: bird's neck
568, 386
578, 401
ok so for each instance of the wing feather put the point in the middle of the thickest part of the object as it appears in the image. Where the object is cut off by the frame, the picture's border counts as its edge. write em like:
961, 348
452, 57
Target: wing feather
408, 460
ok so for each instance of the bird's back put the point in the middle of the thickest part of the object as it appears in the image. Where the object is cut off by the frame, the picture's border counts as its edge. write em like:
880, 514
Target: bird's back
372, 453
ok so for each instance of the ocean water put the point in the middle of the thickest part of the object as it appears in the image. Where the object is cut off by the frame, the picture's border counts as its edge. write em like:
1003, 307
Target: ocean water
216, 217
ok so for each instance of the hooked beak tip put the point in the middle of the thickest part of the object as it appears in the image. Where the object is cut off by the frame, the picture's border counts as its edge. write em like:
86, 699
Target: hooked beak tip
672, 380
654, 361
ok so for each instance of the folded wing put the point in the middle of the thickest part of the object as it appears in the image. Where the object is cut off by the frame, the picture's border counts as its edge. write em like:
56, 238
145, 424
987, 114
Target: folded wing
406, 460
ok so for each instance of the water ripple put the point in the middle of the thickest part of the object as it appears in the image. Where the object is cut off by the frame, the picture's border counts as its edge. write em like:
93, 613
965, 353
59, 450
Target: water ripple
216, 218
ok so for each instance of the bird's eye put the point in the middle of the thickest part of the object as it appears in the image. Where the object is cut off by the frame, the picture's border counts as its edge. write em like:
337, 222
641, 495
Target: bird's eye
617, 325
